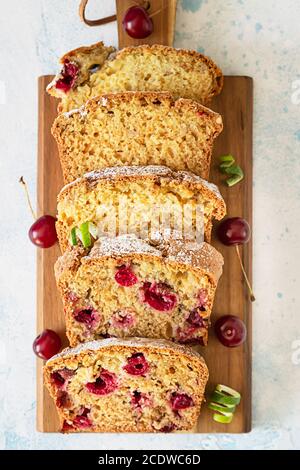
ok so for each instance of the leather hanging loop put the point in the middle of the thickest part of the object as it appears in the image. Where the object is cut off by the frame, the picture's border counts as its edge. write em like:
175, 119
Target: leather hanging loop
100, 21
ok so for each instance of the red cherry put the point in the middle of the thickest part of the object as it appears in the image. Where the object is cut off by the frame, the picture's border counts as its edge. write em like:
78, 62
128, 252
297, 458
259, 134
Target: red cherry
140, 400
181, 401
42, 233
137, 23
87, 315
136, 364
69, 74
47, 344
125, 277
168, 428
231, 331
234, 231
82, 421
159, 296
106, 383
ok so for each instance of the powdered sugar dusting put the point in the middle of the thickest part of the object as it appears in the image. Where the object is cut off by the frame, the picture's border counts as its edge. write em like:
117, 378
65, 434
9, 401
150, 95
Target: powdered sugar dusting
151, 171
152, 344
121, 245
192, 178
174, 249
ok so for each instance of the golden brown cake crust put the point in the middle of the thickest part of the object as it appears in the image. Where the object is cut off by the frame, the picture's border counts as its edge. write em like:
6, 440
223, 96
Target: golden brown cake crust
131, 345
86, 50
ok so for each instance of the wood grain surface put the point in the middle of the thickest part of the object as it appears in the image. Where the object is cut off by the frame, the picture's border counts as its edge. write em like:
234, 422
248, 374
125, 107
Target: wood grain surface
228, 366
164, 13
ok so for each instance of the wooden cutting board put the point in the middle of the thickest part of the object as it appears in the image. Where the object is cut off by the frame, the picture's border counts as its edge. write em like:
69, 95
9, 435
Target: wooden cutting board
227, 366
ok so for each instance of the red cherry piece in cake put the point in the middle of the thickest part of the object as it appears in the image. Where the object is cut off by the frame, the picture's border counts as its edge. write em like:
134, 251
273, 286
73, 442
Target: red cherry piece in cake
139, 400
181, 401
47, 344
69, 74
82, 420
63, 400
57, 379
168, 428
72, 297
86, 315
60, 377
66, 426
202, 299
123, 319
125, 277
137, 365
195, 319
159, 296
106, 383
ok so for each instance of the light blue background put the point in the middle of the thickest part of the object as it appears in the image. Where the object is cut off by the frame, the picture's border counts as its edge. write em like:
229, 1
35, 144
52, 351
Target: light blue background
254, 37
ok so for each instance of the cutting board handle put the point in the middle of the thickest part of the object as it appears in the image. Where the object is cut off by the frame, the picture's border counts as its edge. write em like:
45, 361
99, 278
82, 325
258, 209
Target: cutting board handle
162, 12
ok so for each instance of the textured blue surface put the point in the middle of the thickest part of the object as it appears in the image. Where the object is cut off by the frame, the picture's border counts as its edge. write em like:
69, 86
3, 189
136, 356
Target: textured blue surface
255, 38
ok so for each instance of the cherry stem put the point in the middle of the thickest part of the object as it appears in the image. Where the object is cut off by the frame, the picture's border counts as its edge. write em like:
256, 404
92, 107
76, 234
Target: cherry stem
23, 183
143, 4
245, 275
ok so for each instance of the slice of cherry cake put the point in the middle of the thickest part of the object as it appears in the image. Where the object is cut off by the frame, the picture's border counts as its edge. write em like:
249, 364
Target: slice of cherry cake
125, 286
133, 385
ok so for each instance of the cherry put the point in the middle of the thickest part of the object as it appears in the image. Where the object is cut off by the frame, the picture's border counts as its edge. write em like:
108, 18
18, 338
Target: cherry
86, 315
181, 401
136, 364
47, 344
60, 377
195, 318
57, 379
168, 428
159, 296
202, 299
69, 75
139, 400
63, 400
67, 426
188, 335
125, 277
234, 231
42, 233
137, 23
230, 331
123, 319
82, 421
106, 383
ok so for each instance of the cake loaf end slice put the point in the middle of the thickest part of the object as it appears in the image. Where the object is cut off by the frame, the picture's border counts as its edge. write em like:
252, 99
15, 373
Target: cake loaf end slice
182, 72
